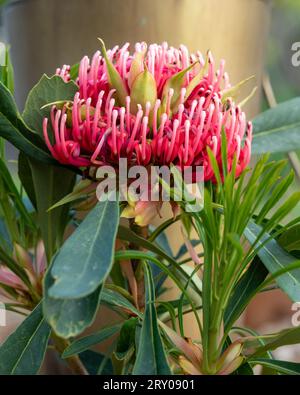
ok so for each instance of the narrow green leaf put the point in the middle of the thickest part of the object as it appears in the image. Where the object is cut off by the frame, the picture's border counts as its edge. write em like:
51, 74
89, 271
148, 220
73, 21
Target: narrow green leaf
74, 71
283, 338
80, 192
114, 77
244, 291
114, 299
24, 350
128, 235
274, 257
291, 368
151, 357
87, 342
13, 193
175, 82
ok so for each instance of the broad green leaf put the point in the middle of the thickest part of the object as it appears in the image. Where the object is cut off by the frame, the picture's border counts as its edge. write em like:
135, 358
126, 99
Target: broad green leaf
51, 183
24, 350
151, 356
13, 129
47, 90
244, 291
87, 342
77, 272
277, 129
275, 258
291, 368
290, 239
283, 338
93, 360
69, 317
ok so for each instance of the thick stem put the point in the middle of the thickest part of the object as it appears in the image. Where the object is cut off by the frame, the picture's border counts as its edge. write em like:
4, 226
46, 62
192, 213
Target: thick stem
74, 363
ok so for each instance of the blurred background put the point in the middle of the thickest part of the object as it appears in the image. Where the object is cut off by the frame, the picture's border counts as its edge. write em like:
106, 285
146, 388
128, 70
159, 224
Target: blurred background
254, 36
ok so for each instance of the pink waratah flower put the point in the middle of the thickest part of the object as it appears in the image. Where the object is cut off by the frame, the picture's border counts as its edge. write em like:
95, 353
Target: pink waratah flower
159, 106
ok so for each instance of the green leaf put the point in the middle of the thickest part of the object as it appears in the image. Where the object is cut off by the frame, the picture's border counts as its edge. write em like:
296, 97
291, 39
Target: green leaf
127, 338
290, 239
128, 235
25, 176
274, 257
74, 71
79, 193
283, 338
13, 129
175, 82
87, 342
244, 291
78, 272
92, 361
277, 129
115, 80
24, 350
69, 317
151, 357
13, 193
8, 261
284, 367
113, 298
50, 185
47, 90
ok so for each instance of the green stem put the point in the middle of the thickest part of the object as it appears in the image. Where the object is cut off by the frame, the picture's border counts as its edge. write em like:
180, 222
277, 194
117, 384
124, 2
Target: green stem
73, 362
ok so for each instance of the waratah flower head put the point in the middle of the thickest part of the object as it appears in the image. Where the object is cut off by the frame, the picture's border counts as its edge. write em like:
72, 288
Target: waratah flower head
159, 105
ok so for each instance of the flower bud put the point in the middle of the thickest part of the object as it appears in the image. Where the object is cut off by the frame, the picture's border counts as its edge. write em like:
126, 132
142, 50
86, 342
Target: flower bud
143, 91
